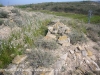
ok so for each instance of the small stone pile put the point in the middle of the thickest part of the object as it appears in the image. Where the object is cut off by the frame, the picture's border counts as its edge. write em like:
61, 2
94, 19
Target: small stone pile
59, 32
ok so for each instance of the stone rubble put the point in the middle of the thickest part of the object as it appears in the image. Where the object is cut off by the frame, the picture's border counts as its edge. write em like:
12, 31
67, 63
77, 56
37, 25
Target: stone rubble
78, 60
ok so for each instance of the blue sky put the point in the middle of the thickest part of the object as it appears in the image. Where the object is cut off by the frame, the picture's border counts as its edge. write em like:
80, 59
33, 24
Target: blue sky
13, 2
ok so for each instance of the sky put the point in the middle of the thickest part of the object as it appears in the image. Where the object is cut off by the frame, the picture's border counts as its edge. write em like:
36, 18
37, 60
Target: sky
18, 2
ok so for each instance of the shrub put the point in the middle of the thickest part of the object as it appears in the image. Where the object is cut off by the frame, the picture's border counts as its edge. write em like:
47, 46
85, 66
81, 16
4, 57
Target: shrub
6, 49
99, 33
76, 37
1, 22
41, 58
46, 44
16, 11
93, 36
18, 22
1, 5
3, 14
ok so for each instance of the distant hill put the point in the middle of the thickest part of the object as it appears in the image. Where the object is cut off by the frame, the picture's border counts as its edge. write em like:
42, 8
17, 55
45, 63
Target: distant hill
73, 7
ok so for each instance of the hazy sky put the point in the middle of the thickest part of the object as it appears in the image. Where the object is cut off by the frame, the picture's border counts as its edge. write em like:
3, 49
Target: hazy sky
13, 2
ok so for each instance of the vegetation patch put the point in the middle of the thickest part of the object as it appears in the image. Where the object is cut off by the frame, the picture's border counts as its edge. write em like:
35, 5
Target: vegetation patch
1, 5
1, 22
3, 14
46, 44
42, 58
76, 10
77, 37
20, 39
16, 11
7, 49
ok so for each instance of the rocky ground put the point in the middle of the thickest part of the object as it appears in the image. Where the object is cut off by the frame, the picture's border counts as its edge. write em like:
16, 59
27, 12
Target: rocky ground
71, 59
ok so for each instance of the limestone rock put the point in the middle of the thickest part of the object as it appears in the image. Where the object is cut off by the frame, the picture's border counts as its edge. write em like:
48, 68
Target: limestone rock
64, 40
94, 66
50, 29
56, 27
64, 57
45, 71
49, 36
12, 67
71, 51
93, 57
61, 30
89, 53
67, 31
28, 50
19, 58
78, 55
84, 53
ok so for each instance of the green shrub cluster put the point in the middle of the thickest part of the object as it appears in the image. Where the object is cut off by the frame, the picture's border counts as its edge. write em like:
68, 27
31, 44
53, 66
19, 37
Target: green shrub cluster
1, 5
16, 11
3, 14
1, 22
77, 37
46, 44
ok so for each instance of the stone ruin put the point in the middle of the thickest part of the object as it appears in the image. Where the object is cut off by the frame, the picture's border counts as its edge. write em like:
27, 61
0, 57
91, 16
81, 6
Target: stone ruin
77, 59
59, 32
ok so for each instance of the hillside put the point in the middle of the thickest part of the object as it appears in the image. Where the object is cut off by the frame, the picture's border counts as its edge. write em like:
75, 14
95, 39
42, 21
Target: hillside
76, 10
36, 43
72, 7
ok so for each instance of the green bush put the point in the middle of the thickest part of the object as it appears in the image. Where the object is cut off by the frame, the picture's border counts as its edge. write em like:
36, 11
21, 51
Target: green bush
6, 49
41, 58
1, 22
46, 44
1, 5
3, 14
16, 11
99, 33
18, 22
92, 35
76, 37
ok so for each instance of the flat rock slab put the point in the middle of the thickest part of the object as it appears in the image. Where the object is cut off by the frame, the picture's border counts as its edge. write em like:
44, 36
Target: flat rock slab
19, 58
64, 40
